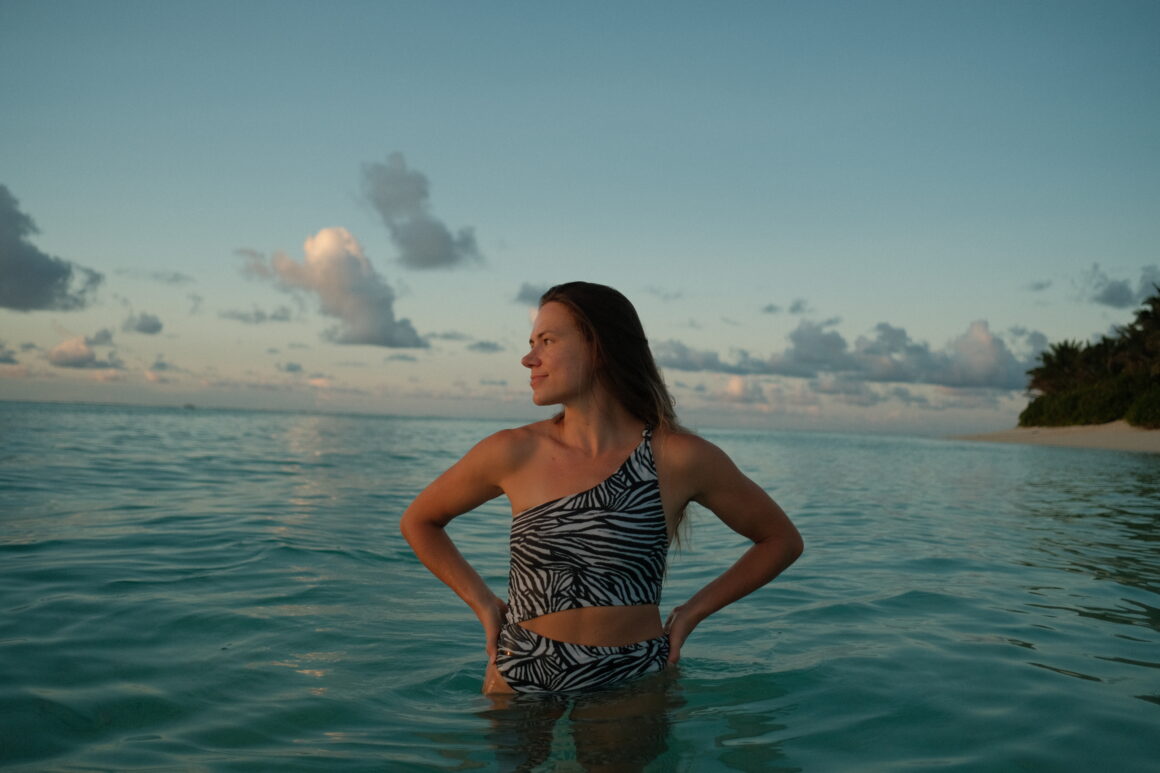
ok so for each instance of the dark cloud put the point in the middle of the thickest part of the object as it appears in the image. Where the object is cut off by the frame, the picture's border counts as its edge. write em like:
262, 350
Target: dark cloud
977, 358
771, 308
402, 358
164, 277
530, 294
145, 323
813, 349
7, 356
1120, 293
195, 303
290, 367
678, 356
258, 316
851, 391
160, 370
347, 287
30, 280
1037, 287
493, 382
799, 306
400, 196
488, 347
450, 335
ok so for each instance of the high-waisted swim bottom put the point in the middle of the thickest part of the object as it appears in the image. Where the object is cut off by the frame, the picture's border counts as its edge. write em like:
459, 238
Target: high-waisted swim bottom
534, 663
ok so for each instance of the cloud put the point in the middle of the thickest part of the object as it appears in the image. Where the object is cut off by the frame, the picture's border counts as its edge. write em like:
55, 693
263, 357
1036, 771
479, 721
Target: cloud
290, 367
1120, 293
157, 373
30, 280
488, 347
7, 356
977, 358
400, 196
799, 306
812, 349
195, 303
78, 352
347, 286
145, 323
662, 294
258, 316
771, 308
678, 356
163, 277
742, 390
1038, 286
530, 294
450, 335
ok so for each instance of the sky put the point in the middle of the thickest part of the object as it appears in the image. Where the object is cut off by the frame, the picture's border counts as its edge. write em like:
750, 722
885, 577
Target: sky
834, 216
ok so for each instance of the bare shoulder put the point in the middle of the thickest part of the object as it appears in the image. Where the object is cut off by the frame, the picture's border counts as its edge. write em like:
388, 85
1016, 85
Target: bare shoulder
510, 448
685, 451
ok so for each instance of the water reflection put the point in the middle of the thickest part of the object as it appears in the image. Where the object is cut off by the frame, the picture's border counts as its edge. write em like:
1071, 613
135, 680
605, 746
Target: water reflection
622, 729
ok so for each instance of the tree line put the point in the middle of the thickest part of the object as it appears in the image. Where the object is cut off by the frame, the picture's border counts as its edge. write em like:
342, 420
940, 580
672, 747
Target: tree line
1116, 377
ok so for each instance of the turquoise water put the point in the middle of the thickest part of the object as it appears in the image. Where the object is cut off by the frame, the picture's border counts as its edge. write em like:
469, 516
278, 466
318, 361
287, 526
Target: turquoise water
213, 590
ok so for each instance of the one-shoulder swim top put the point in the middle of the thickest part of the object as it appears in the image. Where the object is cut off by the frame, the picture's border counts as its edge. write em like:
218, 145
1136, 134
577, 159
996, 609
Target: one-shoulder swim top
602, 547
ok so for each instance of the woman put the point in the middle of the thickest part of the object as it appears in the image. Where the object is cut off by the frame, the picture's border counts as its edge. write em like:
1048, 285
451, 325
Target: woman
584, 590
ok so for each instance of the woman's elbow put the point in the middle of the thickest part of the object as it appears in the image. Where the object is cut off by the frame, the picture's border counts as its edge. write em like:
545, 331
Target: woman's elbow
416, 522
794, 546
409, 524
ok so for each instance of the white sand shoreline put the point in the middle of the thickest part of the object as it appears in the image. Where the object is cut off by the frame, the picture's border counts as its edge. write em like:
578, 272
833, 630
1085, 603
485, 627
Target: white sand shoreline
1115, 436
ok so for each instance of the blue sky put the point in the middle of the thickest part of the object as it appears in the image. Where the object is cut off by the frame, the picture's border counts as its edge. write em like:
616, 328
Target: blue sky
842, 215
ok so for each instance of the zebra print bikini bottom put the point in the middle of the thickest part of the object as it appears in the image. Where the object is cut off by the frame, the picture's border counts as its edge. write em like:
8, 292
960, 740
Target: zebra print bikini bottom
530, 662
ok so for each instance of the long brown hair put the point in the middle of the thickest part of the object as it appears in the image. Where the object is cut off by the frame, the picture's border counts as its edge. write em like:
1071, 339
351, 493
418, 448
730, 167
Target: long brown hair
624, 362
622, 358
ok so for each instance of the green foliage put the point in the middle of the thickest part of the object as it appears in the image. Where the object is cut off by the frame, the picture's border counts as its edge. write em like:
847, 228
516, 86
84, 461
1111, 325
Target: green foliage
1145, 410
1098, 403
1110, 379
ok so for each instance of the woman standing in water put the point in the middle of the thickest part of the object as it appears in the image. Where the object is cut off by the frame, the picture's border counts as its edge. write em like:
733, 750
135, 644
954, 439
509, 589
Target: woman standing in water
586, 568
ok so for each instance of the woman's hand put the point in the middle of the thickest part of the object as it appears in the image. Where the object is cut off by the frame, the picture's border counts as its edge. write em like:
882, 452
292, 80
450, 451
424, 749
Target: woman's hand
678, 626
491, 616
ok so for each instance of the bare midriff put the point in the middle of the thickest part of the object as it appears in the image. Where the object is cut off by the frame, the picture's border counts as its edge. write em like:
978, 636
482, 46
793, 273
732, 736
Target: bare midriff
600, 626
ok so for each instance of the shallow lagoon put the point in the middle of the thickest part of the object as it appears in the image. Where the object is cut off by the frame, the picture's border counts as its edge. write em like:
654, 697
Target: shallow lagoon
214, 590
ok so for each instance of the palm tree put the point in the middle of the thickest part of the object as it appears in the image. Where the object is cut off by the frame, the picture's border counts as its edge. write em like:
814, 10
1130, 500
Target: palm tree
1060, 369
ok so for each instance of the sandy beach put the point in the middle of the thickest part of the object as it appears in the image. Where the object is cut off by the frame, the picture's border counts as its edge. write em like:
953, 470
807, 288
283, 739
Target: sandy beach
1115, 436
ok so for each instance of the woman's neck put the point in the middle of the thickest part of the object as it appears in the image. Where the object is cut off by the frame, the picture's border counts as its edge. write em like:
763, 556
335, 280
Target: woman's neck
597, 426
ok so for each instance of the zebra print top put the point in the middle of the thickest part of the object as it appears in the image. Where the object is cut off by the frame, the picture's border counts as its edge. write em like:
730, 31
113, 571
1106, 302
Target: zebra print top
602, 547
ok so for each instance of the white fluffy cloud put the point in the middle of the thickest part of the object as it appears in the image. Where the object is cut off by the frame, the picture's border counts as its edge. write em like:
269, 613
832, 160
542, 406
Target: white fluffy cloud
78, 352
348, 289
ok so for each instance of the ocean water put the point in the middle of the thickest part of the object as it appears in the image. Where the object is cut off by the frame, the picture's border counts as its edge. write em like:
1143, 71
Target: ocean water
202, 590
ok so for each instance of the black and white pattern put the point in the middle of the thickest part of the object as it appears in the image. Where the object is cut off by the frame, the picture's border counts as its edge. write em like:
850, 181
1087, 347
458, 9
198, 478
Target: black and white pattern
530, 662
602, 547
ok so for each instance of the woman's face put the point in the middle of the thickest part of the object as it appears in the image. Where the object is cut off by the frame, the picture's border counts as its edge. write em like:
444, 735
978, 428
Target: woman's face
560, 359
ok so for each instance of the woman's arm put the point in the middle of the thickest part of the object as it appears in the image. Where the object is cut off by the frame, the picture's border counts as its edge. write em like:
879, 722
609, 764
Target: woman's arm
469, 483
706, 475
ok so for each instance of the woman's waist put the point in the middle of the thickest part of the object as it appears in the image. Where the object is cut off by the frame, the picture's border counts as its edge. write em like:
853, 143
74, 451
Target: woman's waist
602, 626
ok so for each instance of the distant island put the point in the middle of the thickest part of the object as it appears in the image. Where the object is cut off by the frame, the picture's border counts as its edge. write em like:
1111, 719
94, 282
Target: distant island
1111, 379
